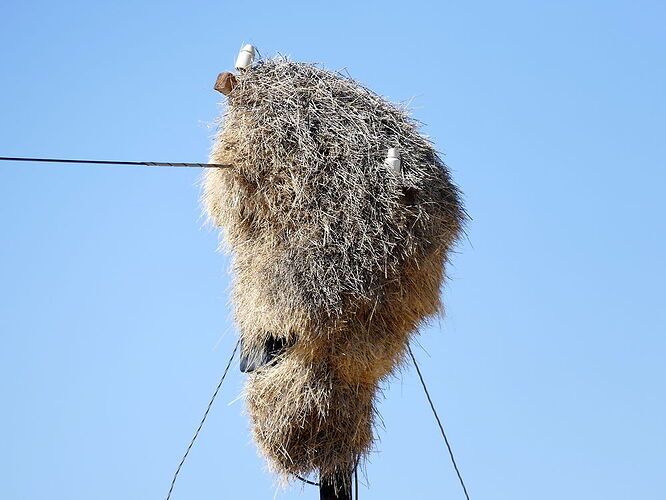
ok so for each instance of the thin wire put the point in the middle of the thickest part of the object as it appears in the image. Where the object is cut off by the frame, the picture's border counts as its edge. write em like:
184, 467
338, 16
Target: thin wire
306, 480
439, 422
203, 419
107, 162
356, 481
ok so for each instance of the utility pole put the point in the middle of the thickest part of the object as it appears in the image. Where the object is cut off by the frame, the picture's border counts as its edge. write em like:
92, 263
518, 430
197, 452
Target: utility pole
327, 490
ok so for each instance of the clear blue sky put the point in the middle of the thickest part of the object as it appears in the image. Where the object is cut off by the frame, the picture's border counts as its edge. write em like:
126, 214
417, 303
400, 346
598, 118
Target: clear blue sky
114, 318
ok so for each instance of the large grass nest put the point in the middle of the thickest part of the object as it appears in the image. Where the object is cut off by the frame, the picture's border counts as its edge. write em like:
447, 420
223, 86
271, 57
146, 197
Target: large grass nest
336, 255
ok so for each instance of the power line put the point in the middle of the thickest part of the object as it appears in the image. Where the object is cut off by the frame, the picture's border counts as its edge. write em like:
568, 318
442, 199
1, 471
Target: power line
306, 481
203, 419
107, 162
439, 422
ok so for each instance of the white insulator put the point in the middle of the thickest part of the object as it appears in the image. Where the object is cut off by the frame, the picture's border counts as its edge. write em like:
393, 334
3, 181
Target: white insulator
393, 162
245, 57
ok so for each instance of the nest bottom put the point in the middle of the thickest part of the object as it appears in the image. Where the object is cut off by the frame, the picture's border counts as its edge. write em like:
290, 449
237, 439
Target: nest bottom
307, 421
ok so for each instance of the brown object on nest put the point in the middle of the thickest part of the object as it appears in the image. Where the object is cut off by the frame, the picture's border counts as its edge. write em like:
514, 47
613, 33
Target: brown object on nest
334, 254
225, 83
